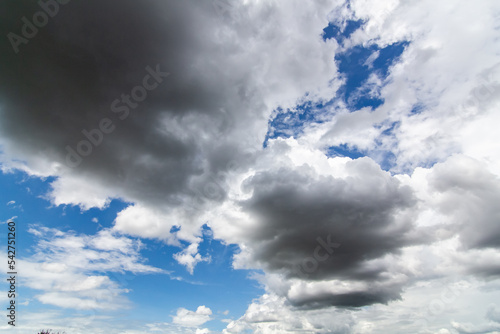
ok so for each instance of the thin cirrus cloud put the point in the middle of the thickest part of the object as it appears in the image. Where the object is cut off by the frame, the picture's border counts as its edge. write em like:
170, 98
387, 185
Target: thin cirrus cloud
339, 241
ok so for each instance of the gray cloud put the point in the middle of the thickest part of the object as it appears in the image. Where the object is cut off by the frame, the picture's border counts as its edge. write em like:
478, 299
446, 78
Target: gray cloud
208, 116
470, 194
301, 216
67, 77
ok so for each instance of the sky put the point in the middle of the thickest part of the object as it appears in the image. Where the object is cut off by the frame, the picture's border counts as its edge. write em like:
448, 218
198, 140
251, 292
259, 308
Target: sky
206, 166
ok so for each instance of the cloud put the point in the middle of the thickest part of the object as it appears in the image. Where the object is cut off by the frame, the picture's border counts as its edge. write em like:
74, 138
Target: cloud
12, 205
71, 270
163, 153
430, 306
271, 314
9, 220
469, 192
435, 104
96, 322
190, 257
330, 234
493, 313
202, 331
189, 318
170, 156
471, 329
458, 199
318, 227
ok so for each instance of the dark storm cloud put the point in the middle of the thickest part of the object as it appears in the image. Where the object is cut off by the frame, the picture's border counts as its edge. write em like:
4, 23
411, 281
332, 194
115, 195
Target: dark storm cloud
368, 214
65, 79
350, 300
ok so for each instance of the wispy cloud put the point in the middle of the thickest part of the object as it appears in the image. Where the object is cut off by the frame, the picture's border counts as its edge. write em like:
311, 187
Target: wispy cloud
78, 271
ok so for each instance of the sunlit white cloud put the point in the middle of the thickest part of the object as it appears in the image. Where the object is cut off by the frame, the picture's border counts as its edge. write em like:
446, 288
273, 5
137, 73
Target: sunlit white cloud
77, 271
189, 318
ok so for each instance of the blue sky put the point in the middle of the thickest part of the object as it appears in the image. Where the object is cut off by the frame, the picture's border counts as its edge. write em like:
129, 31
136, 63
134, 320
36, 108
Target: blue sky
152, 297
251, 167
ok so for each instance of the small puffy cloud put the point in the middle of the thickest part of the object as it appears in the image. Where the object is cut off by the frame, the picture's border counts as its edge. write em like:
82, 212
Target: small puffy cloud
187, 318
190, 257
202, 331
